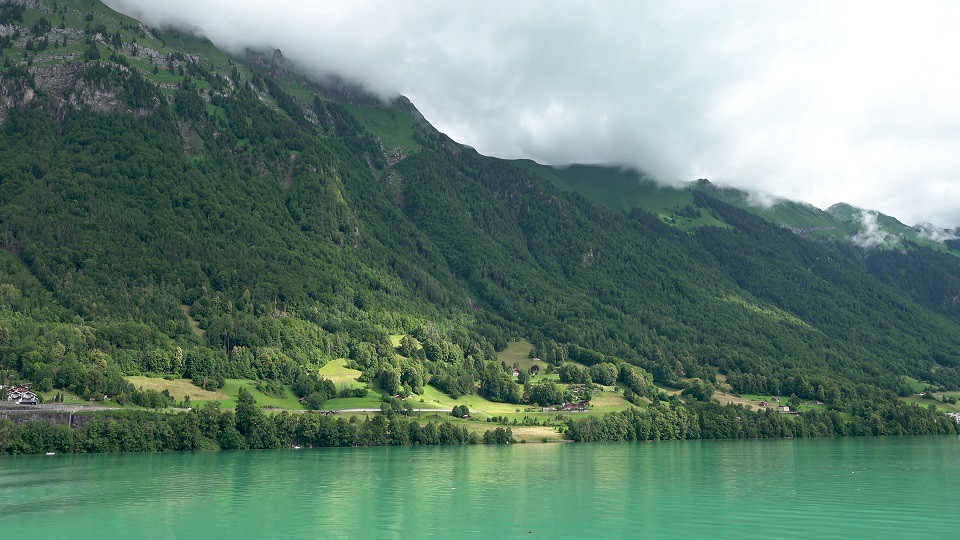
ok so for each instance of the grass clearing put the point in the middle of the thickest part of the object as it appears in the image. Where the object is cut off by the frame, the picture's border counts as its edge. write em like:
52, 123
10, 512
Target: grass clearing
338, 373
749, 401
536, 434
914, 384
435, 399
609, 398
394, 126
227, 396
371, 401
68, 398
924, 401
518, 352
178, 388
288, 401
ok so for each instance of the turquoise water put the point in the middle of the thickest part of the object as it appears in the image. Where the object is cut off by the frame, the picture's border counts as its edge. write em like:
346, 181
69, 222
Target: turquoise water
834, 488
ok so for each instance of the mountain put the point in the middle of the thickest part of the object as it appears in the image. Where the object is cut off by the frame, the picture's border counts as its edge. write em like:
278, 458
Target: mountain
168, 209
626, 189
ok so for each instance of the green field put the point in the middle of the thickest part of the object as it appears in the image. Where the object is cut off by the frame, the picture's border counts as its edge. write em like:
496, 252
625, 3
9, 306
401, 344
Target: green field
342, 376
371, 401
178, 388
226, 396
391, 124
914, 384
68, 397
518, 352
435, 399
924, 401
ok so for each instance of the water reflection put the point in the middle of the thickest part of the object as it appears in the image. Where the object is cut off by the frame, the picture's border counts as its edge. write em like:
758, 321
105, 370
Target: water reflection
733, 489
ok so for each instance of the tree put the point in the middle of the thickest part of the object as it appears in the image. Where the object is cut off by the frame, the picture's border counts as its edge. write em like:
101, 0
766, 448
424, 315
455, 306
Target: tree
545, 393
604, 373
92, 52
389, 380
698, 389
572, 373
246, 411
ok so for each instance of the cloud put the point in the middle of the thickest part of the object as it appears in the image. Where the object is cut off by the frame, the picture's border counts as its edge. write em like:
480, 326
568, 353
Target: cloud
763, 199
928, 231
872, 235
818, 101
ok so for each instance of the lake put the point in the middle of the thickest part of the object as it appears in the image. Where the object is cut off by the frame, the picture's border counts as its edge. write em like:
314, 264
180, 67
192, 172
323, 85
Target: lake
831, 488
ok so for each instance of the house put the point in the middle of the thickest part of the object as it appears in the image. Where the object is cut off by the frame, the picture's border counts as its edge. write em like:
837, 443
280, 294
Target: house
22, 395
764, 403
516, 372
535, 369
955, 416
783, 408
577, 406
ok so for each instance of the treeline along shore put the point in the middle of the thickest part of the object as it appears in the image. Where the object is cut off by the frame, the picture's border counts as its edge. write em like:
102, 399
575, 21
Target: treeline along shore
209, 428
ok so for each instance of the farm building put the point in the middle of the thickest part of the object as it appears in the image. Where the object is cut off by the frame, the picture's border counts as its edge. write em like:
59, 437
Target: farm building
577, 406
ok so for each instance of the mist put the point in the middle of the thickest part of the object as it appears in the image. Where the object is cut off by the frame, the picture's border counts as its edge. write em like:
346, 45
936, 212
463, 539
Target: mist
814, 101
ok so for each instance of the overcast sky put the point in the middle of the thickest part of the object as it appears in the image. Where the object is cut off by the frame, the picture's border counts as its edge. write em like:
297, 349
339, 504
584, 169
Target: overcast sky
816, 101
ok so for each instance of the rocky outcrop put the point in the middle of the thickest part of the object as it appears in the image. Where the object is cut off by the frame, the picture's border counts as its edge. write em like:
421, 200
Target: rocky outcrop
16, 92
72, 86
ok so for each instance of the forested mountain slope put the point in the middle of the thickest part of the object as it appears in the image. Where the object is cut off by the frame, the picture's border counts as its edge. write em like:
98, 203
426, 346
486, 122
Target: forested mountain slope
144, 176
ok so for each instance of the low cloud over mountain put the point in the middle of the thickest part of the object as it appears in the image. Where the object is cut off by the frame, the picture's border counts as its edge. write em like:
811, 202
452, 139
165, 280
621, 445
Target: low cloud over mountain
815, 101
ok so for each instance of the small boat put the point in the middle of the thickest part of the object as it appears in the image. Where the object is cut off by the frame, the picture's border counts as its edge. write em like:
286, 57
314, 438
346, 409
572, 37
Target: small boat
296, 447
50, 454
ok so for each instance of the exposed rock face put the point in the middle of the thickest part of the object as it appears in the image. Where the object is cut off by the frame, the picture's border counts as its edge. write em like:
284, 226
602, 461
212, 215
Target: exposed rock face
15, 92
98, 98
65, 87
58, 79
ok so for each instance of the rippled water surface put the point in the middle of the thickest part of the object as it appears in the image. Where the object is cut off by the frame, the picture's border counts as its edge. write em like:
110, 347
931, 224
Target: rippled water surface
835, 488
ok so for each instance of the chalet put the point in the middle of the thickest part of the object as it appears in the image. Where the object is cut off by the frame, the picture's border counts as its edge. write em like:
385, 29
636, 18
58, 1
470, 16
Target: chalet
955, 416
783, 408
764, 403
577, 406
22, 395
516, 372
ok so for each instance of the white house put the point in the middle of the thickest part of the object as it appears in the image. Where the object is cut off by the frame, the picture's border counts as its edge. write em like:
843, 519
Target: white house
22, 395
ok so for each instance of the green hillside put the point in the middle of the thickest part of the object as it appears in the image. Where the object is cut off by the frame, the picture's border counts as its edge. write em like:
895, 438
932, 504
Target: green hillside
169, 210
